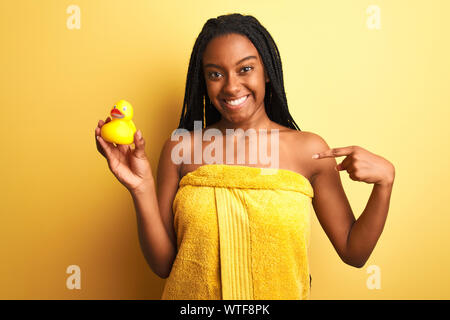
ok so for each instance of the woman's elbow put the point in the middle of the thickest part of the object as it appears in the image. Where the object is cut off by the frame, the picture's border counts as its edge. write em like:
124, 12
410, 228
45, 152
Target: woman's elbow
356, 264
353, 262
163, 276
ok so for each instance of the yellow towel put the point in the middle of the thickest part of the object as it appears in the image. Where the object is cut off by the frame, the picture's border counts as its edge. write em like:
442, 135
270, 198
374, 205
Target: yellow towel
242, 233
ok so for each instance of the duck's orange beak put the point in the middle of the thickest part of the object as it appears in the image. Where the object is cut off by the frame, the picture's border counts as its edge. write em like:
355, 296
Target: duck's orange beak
115, 113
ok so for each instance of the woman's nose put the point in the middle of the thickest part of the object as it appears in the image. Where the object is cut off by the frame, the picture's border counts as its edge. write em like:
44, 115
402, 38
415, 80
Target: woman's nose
232, 85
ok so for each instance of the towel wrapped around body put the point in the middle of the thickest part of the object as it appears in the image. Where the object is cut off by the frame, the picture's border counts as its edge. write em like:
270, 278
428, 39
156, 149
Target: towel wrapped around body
242, 233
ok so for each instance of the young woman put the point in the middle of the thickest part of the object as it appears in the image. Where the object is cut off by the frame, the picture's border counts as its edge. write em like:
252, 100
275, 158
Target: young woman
226, 230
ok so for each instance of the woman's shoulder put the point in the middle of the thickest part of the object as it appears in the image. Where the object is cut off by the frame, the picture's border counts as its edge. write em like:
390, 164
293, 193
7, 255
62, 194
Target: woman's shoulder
306, 138
299, 146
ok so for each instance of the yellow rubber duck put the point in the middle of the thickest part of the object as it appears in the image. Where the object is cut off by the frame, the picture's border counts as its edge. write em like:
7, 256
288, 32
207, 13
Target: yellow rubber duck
121, 129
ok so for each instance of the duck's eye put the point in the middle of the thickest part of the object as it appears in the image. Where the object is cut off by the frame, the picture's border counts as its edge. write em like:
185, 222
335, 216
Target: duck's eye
124, 108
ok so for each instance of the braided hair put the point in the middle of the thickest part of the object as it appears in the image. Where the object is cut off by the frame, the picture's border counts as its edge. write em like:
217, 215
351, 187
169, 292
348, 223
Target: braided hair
197, 105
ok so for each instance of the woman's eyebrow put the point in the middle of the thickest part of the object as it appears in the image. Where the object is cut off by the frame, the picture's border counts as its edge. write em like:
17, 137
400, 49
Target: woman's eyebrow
240, 61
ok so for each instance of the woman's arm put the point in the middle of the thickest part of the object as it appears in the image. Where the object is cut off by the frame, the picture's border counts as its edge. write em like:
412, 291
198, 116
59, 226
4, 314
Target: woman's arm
154, 215
354, 240
366, 231
156, 246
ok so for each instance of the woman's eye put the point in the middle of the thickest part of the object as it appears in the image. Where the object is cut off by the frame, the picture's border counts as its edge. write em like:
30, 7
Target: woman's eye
213, 75
216, 75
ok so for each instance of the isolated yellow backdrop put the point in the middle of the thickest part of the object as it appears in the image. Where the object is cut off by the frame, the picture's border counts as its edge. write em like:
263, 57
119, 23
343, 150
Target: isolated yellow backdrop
386, 90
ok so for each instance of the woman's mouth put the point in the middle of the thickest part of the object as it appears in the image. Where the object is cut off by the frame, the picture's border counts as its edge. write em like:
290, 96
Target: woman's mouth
235, 103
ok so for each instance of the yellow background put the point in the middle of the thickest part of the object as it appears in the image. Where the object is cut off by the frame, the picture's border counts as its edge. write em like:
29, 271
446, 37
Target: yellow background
385, 90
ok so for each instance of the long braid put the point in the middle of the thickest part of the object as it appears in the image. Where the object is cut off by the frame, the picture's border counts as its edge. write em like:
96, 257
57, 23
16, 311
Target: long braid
197, 105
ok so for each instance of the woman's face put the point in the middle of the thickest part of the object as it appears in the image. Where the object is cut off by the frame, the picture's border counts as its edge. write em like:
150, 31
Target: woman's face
235, 77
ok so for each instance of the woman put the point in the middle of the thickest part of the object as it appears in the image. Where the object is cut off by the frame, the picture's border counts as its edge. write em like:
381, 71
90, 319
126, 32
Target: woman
229, 230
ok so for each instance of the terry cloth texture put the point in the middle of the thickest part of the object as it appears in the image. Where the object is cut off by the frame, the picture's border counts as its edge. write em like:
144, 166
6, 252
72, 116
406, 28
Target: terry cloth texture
242, 233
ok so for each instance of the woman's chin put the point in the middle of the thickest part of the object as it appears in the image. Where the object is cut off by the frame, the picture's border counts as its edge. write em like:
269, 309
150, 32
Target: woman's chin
237, 119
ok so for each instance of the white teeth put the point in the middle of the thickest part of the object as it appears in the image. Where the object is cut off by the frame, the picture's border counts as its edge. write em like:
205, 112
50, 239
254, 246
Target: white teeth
236, 102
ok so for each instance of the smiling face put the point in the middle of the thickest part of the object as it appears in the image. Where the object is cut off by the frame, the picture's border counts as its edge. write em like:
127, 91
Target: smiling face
235, 78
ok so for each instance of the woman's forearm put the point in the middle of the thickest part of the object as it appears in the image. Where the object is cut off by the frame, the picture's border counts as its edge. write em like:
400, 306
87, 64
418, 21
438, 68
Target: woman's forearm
366, 231
156, 245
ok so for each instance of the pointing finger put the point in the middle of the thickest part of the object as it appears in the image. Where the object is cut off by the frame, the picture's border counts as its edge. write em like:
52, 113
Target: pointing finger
334, 152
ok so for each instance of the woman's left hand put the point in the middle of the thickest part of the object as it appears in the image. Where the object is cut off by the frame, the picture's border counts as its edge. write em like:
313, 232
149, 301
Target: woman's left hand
362, 165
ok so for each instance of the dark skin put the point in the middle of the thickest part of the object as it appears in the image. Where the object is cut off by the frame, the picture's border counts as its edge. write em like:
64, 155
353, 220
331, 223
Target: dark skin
229, 74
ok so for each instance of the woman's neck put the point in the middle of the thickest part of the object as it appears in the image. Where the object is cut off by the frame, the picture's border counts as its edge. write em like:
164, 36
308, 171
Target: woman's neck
262, 122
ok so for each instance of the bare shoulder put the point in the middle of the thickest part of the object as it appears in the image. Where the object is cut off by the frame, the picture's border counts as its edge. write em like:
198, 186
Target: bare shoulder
317, 144
312, 139
166, 161
311, 143
186, 144
168, 174
174, 147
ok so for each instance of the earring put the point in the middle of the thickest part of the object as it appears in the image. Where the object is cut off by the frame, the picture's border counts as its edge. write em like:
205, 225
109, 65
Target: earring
204, 113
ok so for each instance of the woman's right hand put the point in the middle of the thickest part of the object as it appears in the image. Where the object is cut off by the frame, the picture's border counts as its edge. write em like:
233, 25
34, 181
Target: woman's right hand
130, 166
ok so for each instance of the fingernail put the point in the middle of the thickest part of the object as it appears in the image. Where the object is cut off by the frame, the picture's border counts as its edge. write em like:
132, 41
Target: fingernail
315, 156
139, 135
98, 137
